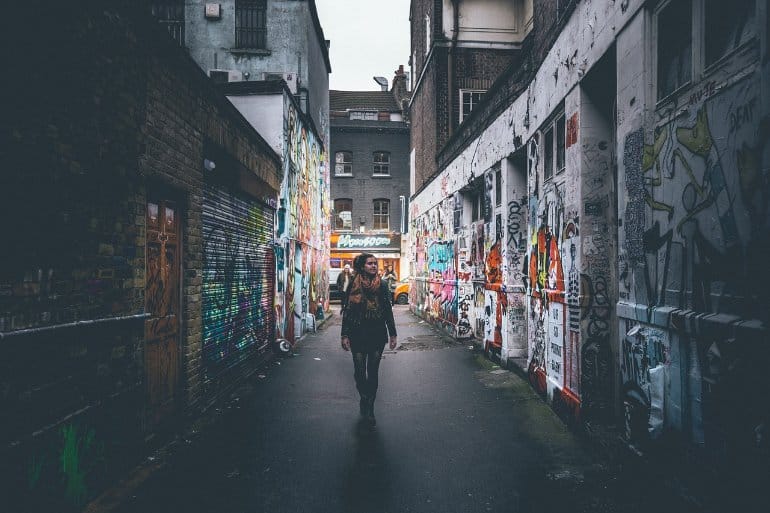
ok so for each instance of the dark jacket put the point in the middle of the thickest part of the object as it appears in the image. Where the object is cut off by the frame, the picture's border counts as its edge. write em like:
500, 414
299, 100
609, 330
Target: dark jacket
341, 287
353, 325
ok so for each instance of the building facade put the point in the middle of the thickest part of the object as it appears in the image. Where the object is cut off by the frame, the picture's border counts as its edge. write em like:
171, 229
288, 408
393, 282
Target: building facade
458, 50
250, 47
370, 174
243, 40
137, 208
600, 220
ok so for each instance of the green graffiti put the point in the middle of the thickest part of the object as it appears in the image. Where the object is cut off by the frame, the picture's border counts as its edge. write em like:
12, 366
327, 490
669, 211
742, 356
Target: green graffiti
76, 446
34, 471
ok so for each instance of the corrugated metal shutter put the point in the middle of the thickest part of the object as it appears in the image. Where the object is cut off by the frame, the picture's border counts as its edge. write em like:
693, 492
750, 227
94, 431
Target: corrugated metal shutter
238, 280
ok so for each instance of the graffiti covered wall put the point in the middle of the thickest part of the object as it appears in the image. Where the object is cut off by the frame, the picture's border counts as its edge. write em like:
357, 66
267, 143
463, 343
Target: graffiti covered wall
434, 292
692, 282
303, 225
238, 279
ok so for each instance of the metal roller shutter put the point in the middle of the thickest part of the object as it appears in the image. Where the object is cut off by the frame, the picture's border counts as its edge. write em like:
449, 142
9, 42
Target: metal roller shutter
238, 280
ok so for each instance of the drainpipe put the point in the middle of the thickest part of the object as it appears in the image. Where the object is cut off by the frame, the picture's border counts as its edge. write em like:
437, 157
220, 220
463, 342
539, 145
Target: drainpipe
451, 62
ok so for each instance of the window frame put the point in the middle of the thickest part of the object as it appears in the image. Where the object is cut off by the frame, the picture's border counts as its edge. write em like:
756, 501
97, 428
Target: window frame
344, 164
380, 164
555, 150
476, 198
170, 14
470, 93
657, 15
363, 115
380, 216
754, 20
337, 212
702, 63
560, 144
250, 36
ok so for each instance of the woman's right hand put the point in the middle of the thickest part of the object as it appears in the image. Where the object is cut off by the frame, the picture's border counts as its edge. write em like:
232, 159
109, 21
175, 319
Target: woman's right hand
345, 343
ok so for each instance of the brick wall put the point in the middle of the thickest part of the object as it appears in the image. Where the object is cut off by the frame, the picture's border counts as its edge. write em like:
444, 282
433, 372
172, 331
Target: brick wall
112, 110
362, 188
424, 113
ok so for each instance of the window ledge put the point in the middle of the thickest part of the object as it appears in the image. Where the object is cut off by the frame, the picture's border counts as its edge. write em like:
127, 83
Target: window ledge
382, 176
343, 176
250, 51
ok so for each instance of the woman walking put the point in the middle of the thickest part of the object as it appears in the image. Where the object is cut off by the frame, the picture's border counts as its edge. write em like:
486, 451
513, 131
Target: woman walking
367, 325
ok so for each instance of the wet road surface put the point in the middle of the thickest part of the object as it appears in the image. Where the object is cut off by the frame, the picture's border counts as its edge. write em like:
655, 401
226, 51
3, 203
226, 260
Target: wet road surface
454, 433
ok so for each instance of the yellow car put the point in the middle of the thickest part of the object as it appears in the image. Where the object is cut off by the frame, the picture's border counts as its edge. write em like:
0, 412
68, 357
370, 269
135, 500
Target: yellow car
401, 294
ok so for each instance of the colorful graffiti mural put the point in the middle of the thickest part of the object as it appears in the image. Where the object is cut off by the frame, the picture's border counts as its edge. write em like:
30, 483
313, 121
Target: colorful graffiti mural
495, 300
706, 202
695, 242
303, 228
238, 280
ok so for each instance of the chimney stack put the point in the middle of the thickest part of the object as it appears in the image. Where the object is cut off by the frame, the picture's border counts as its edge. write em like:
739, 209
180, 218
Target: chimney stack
399, 89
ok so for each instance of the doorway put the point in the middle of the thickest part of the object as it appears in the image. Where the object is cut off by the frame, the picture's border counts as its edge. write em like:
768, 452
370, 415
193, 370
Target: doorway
162, 302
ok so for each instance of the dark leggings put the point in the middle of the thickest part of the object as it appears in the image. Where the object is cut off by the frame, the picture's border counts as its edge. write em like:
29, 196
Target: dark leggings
366, 367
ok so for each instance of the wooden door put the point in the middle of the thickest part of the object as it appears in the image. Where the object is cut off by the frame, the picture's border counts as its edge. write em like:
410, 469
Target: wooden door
162, 301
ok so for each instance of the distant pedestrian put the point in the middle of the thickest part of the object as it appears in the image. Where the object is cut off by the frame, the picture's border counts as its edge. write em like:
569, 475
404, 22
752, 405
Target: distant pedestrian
344, 280
367, 326
391, 279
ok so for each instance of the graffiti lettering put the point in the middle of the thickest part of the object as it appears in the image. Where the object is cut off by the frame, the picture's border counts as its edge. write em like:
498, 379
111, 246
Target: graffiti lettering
706, 91
743, 114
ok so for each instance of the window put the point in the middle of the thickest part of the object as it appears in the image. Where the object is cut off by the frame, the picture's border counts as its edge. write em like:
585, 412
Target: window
170, 13
498, 186
343, 214
250, 23
381, 163
548, 151
343, 163
560, 144
362, 114
468, 100
458, 211
728, 26
476, 197
381, 214
554, 145
674, 39
692, 35
427, 34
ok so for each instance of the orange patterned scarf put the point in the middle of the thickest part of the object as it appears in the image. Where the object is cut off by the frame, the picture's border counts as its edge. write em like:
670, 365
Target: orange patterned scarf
364, 292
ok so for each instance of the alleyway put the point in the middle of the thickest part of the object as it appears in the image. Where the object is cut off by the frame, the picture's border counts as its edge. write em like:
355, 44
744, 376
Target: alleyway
290, 441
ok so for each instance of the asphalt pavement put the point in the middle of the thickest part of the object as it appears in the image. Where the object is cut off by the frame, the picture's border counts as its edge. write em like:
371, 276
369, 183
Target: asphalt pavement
455, 433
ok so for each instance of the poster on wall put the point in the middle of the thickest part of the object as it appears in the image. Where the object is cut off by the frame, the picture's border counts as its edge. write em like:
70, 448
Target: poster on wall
555, 344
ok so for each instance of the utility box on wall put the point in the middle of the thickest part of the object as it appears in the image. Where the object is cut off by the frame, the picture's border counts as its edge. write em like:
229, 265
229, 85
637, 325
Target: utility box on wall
213, 11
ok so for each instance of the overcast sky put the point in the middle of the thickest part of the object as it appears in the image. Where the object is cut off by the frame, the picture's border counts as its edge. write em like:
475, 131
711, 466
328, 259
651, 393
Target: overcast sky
368, 38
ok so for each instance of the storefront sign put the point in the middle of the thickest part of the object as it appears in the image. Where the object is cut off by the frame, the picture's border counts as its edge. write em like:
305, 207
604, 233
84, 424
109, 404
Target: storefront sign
378, 241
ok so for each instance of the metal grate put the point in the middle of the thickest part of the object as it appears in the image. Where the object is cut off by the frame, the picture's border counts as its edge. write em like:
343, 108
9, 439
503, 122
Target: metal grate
250, 23
170, 13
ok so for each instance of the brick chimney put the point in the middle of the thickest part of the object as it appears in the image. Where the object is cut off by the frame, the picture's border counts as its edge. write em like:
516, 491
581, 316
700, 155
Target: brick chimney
400, 91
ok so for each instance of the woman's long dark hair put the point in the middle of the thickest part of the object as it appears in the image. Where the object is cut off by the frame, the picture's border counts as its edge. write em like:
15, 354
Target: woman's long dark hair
360, 261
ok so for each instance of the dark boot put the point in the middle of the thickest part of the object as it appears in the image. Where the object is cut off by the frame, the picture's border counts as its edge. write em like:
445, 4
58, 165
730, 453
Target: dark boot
370, 412
363, 406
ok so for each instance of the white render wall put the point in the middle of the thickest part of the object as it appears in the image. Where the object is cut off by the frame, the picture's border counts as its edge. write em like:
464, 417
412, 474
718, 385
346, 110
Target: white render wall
668, 215
265, 113
590, 32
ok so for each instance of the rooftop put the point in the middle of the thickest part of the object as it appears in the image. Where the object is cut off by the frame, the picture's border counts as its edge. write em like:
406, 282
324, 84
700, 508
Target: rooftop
381, 101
